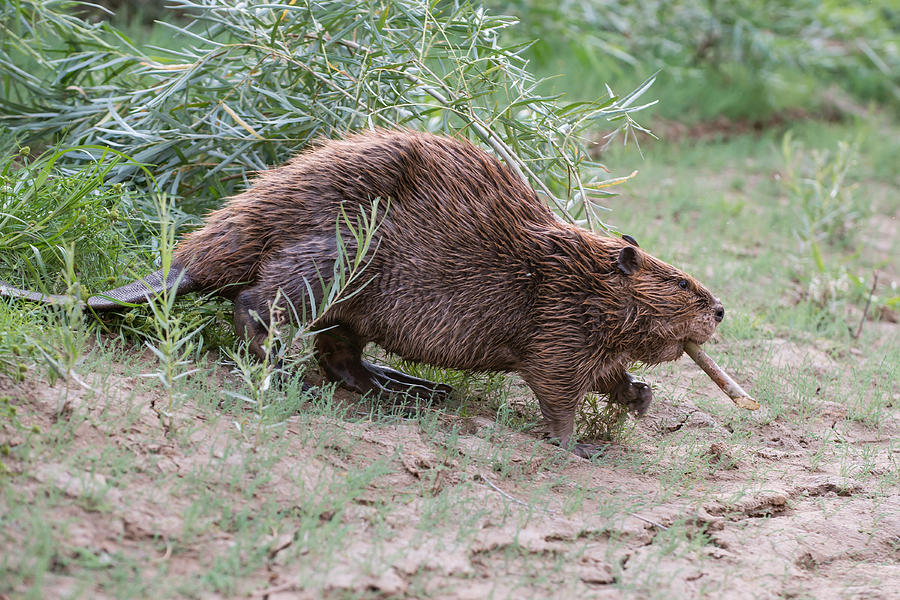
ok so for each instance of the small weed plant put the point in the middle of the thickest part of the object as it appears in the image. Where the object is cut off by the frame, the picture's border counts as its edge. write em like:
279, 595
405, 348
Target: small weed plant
821, 190
291, 324
63, 348
173, 338
599, 419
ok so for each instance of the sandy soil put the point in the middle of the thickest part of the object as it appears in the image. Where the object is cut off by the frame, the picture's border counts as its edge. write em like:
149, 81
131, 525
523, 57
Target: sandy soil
686, 506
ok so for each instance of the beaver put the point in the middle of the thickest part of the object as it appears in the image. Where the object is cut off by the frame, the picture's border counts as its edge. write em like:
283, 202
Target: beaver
468, 270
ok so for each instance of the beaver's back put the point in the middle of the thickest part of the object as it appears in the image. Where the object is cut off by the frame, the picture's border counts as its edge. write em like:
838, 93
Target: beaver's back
453, 280
448, 201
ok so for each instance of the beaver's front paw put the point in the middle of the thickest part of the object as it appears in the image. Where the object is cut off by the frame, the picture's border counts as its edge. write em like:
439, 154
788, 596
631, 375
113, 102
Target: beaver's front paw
634, 394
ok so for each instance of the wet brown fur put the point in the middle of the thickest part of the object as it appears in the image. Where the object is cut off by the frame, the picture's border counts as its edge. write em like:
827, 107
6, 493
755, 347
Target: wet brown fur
472, 271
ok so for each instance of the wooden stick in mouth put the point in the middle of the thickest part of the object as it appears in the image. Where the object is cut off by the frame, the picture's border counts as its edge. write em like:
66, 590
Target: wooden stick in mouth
720, 377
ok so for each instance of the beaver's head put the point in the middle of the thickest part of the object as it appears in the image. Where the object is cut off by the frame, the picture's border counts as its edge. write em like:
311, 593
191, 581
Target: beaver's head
665, 307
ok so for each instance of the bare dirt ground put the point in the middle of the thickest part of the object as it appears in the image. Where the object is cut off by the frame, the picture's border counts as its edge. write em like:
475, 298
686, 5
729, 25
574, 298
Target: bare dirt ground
798, 500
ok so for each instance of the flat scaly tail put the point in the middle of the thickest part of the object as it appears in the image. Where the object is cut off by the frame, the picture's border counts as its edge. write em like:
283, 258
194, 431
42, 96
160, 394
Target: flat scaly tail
136, 292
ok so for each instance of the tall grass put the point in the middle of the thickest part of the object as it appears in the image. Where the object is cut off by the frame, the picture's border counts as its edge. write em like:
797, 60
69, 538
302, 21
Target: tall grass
59, 229
44, 207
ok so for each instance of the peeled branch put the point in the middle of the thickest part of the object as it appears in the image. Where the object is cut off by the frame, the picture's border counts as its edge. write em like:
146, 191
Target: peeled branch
720, 377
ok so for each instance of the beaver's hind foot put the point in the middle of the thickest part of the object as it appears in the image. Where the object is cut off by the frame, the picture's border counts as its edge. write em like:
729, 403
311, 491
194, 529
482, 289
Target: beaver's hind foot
392, 381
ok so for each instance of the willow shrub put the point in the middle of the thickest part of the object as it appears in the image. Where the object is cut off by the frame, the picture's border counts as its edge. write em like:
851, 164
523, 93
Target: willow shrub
245, 85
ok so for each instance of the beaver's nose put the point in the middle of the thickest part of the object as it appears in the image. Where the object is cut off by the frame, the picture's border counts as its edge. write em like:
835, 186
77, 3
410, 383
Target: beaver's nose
720, 312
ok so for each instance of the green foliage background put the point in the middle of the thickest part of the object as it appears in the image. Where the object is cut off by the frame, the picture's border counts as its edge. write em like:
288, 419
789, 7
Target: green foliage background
237, 89
738, 59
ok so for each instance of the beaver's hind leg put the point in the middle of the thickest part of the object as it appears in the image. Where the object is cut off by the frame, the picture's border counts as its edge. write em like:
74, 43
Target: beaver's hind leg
247, 323
339, 352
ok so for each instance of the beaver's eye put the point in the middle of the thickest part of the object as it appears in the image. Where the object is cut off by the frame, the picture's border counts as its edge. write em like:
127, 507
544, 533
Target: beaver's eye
683, 284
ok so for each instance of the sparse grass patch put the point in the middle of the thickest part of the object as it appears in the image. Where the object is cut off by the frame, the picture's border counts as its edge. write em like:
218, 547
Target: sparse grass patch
871, 392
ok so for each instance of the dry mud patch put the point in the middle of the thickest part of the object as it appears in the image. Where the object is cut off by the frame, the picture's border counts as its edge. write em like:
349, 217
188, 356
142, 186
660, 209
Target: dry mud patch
801, 499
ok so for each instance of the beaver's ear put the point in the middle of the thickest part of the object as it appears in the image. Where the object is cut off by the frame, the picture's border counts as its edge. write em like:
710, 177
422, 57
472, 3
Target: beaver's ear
630, 240
629, 260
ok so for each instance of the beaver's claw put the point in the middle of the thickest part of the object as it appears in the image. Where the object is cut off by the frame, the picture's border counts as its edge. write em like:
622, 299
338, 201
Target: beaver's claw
634, 394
